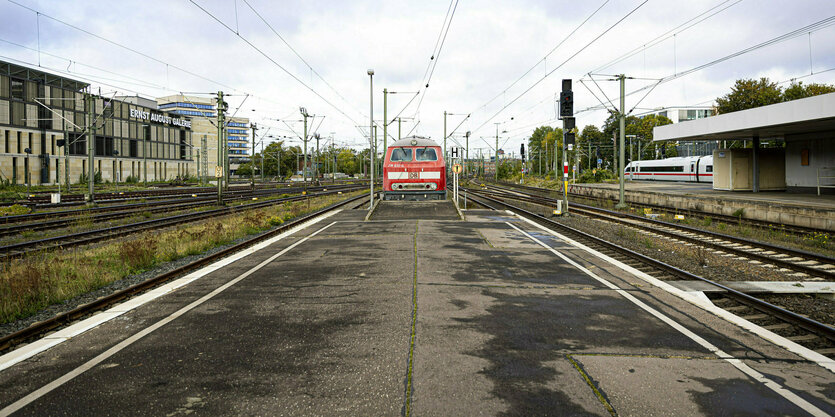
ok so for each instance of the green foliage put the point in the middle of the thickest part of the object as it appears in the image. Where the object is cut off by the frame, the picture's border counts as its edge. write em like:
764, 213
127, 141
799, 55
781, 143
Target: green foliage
749, 93
14, 210
131, 179
596, 175
82, 179
818, 239
798, 90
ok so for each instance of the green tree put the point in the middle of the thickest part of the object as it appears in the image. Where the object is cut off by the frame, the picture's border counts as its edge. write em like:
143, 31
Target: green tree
798, 90
749, 93
347, 162
591, 137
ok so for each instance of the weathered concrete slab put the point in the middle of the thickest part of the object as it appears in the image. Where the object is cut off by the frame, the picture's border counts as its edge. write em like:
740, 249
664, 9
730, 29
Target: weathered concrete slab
433, 317
414, 210
754, 287
806, 210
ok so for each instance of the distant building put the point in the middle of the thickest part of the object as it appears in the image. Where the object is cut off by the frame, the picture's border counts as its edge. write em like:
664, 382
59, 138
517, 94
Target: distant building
683, 114
203, 112
39, 110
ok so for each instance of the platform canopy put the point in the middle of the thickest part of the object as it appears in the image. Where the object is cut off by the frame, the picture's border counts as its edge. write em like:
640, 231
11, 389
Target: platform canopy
802, 116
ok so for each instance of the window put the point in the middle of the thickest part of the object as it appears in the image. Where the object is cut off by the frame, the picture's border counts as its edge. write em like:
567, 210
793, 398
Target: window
401, 154
426, 154
679, 168
709, 168
17, 89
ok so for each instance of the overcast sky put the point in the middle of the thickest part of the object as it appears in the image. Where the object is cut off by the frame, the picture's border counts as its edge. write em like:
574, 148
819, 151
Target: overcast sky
489, 45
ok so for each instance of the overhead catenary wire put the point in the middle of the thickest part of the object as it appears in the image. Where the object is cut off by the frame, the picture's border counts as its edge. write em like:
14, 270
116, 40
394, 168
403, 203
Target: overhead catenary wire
39, 13
300, 58
544, 57
436, 56
563, 63
98, 78
669, 34
269, 58
821, 24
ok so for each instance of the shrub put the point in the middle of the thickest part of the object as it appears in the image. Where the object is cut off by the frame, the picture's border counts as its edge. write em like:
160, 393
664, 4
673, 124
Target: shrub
14, 210
596, 175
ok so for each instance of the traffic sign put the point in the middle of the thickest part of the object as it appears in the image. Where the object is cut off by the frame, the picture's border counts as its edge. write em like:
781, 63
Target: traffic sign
456, 168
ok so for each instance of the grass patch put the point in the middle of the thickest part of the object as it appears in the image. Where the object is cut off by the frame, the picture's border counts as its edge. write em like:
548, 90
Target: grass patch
35, 282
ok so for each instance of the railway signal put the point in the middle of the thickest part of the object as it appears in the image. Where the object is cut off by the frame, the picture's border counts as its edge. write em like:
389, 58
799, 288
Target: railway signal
569, 129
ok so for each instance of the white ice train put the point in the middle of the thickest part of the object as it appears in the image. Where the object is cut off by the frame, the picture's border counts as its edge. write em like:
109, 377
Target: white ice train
688, 169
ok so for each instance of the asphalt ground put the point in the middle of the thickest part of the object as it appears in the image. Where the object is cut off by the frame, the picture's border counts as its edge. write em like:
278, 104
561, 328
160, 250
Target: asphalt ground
417, 317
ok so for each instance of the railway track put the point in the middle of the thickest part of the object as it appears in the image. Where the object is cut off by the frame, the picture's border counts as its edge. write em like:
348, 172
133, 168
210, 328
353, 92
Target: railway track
42, 199
807, 332
64, 218
18, 250
804, 264
797, 230
40, 328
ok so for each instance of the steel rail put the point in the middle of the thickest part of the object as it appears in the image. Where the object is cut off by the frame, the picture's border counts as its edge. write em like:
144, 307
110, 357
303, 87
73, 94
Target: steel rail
184, 198
716, 216
61, 319
806, 323
16, 250
782, 263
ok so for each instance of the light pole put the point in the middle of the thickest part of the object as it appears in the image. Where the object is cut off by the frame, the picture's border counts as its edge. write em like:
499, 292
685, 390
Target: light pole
304, 139
467, 151
371, 134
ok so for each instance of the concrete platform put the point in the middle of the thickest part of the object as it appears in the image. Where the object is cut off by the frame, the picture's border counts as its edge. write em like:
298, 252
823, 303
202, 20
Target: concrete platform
414, 210
806, 210
486, 316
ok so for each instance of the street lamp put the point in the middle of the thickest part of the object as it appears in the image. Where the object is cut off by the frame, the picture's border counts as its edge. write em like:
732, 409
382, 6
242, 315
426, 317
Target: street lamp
371, 134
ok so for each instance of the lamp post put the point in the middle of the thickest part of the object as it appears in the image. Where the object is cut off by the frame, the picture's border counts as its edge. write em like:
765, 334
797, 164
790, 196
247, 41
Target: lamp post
371, 134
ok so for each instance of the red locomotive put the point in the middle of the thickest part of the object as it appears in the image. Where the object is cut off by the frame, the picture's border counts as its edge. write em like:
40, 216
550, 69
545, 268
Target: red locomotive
414, 169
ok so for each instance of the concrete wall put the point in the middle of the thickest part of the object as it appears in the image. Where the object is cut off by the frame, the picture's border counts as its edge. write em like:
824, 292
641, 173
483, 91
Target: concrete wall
775, 212
821, 154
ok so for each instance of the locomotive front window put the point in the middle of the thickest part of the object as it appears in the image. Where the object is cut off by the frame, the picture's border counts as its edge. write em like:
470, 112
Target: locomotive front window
426, 154
401, 154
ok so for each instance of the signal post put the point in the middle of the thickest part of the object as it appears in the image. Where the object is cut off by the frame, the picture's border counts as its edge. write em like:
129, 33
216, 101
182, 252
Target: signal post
569, 130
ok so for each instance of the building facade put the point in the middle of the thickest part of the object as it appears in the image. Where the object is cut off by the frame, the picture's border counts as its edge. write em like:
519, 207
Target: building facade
47, 120
203, 114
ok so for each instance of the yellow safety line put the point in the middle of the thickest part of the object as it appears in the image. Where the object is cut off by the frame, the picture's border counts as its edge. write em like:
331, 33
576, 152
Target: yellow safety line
414, 325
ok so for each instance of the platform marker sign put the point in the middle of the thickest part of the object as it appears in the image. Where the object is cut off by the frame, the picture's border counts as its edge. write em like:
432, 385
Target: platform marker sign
679, 217
218, 171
